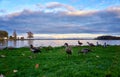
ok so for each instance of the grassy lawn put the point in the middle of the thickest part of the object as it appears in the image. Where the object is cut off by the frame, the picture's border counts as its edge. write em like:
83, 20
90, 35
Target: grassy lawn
53, 62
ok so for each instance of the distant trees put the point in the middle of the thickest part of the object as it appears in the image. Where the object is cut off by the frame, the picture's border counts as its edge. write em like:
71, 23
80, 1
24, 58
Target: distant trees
14, 36
107, 38
10, 37
3, 34
30, 35
22, 38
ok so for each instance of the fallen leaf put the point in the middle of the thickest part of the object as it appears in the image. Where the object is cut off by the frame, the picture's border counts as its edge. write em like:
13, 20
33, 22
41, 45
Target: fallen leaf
37, 66
3, 56
97, 56
15, 71
2, 75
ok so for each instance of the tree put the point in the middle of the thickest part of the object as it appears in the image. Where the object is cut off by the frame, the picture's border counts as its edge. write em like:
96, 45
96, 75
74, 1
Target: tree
22, 38
11, 37
14, 35
3, 34
30, 35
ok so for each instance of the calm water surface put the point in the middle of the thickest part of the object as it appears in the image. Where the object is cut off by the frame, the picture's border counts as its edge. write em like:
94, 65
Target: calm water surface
54, 43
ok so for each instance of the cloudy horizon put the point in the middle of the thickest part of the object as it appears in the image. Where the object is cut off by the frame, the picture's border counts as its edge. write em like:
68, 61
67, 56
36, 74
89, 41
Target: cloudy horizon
70, 18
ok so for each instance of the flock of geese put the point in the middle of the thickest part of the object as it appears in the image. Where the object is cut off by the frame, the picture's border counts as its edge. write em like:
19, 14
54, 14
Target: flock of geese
84, 50
68, 49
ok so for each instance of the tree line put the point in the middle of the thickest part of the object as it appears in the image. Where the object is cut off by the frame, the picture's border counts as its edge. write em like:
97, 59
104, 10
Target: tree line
5, 35
107, 37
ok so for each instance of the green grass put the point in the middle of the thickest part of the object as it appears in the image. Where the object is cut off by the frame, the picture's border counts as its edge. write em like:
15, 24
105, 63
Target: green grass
53, 62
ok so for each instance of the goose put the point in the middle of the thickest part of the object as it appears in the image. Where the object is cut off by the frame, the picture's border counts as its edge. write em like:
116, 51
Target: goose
105, 45
84, 50
80, 43
97, 44
68, 49
90, 44
34, 50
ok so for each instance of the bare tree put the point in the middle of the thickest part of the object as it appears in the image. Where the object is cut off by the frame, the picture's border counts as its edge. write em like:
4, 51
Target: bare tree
14, 35
30, 35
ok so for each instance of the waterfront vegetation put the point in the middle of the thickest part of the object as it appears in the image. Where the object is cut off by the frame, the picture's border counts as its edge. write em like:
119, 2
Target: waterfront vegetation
54, 62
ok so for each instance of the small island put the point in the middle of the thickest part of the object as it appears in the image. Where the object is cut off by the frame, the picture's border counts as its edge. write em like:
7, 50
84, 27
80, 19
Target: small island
107, 37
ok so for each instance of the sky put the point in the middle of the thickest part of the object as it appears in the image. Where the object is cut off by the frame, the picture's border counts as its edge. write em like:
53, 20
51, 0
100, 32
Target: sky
61, 18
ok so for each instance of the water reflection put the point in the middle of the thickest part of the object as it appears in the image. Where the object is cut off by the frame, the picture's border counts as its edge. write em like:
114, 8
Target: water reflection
4, 43
14, 43
37, 43
30, 41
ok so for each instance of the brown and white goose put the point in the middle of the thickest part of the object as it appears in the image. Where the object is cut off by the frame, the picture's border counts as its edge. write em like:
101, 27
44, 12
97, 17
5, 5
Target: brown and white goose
34, 49
80, 43
90, 44
68, 49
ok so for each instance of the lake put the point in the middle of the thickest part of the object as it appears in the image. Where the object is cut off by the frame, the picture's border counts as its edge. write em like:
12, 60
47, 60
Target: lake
37, 43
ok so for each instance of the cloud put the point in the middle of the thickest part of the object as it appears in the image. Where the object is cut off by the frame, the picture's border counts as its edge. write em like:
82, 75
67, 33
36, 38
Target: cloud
53, 5
56, 6
105, 21
82, 12
115, 9
2, 11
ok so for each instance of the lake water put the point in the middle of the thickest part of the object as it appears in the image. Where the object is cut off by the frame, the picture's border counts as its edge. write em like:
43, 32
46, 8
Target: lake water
37, 43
